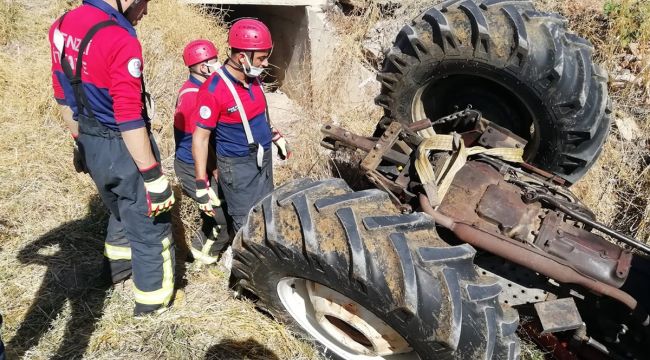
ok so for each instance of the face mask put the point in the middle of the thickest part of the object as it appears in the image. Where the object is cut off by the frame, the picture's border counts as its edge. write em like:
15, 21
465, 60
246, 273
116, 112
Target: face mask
252, 71
213, 67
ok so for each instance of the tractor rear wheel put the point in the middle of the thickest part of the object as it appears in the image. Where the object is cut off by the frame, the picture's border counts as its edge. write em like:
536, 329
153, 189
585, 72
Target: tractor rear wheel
348, 270
520, 67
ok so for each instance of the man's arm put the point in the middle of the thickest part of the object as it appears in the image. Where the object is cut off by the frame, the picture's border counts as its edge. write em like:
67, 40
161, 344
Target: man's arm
125, 90
206, 197
139, 146
70, 123
77, 159
200, 145
205, 116
160, 196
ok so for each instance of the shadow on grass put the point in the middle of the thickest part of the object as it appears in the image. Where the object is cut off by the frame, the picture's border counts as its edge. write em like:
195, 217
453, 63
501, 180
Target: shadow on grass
73, 255
236, 349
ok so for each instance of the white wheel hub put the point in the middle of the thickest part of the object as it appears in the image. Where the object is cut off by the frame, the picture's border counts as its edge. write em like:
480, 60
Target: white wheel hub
340, 323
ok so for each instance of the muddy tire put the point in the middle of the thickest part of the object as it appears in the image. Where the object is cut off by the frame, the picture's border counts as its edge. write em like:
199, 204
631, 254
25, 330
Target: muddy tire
335, 264
518, 66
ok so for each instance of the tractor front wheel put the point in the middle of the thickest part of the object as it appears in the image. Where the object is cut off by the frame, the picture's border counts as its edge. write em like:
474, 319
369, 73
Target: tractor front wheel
348, 270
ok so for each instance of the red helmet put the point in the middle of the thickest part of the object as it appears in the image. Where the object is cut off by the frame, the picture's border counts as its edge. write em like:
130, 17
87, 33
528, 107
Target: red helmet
249, 34
198, 51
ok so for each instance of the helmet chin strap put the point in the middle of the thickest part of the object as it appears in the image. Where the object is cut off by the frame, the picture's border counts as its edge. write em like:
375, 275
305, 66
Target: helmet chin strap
123, 11
119, 7
205, 75
233, 64
241, 67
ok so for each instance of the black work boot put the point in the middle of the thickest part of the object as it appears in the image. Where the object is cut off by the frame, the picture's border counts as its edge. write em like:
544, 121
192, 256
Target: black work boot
203, 247
142, 311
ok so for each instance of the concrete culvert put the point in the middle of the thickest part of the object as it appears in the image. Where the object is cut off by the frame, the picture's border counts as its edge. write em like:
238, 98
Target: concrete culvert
293, 28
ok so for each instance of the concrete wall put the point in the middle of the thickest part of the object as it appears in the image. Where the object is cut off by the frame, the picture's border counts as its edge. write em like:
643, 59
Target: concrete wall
290, 30
304, 44
322, 43
359, 83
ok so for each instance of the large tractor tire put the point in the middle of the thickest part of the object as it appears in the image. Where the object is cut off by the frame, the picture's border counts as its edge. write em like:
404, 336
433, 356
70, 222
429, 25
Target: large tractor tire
518, 66
348, 270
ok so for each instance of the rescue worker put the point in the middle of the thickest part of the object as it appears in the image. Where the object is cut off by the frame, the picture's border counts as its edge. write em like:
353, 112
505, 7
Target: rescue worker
97, 79
232, 107
200, 56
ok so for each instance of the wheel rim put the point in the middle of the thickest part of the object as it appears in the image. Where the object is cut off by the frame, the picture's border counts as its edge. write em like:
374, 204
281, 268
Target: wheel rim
341, 324
497, 103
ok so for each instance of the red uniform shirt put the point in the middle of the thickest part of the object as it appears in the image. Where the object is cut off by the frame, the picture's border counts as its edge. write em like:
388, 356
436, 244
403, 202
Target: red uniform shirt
216, 110
112, 65
183, 124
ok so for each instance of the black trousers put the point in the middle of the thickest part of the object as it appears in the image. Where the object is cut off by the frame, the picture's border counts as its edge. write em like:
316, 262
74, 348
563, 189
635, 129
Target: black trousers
243, 183
209, 225
132, 235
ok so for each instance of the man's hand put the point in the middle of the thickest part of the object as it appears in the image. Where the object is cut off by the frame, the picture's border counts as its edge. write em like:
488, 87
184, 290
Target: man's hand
160, 196
206, 197
284, 151
215, 175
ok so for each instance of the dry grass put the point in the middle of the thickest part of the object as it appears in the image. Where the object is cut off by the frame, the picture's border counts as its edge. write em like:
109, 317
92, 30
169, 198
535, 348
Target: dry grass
12, 15
52, 226
326, 100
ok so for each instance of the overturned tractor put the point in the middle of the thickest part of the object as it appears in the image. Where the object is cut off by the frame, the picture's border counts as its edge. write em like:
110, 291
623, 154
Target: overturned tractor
469, 236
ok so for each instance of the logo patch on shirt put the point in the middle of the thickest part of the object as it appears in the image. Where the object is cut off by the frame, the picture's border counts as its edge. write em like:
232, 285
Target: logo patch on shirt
134, 67
232, 109
58, 40
205, 112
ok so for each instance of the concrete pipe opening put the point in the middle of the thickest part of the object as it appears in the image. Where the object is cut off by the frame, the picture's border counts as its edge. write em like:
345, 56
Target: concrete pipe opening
292, 26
